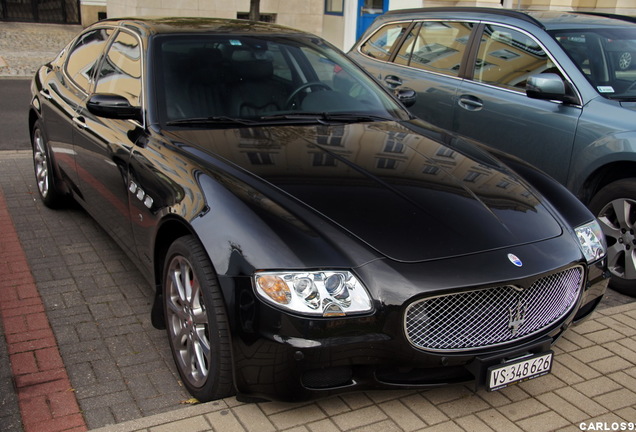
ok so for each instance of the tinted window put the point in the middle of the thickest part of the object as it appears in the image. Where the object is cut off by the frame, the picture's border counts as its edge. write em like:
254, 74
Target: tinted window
254, 77
508, 57
607, 57
83, 59
379, 45
435, 46
120, 72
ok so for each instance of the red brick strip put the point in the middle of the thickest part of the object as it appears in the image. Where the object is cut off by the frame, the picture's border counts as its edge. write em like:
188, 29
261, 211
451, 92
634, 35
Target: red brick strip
47, 400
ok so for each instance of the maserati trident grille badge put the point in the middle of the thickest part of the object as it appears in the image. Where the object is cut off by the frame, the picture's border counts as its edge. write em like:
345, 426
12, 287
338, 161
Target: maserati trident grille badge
517, 316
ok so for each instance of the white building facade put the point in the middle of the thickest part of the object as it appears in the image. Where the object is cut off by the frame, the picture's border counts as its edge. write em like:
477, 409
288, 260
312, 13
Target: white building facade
339, 21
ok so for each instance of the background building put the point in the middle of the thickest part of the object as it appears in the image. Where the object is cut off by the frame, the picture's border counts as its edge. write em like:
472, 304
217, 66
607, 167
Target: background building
339, 21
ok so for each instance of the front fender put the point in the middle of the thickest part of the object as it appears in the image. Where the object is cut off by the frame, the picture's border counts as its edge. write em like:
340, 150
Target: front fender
609, 155
245, 230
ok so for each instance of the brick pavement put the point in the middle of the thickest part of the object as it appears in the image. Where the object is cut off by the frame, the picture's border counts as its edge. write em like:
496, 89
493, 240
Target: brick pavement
97, 305
123, 377
44, 392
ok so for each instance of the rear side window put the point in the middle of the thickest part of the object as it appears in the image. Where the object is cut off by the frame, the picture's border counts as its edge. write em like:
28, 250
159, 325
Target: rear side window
380, 45
435, 46
83, 59
507, 57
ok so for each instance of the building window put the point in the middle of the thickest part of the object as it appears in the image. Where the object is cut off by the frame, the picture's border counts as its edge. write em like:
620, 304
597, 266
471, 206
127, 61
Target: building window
260, 158
430, 169
385, 163
472, 176
445, 152
334, 7
323, 159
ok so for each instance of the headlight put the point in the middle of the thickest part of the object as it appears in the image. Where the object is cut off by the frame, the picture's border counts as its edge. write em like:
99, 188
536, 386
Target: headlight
591, 240
319, 293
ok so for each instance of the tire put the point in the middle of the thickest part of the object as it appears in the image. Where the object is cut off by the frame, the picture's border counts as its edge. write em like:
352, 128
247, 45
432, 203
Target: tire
196, 321
615, 207
50, 193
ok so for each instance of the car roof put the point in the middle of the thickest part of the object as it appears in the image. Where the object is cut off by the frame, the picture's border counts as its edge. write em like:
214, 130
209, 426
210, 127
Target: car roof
173, 25
549, 20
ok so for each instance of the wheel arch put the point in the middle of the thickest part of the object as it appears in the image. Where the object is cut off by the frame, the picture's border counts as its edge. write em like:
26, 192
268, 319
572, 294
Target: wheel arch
603, 176
33, 117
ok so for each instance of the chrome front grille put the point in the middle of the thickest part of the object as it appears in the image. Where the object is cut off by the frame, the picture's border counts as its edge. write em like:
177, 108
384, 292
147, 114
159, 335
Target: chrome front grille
493, 316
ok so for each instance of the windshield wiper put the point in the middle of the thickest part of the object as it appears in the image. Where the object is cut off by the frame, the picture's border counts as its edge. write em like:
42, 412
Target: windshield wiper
326, 117
212, 120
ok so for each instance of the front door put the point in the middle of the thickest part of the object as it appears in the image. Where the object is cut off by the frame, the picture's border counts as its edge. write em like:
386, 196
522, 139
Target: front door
493, 108
368, 10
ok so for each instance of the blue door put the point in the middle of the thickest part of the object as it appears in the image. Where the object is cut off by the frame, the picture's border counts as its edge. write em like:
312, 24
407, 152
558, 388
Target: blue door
368, 10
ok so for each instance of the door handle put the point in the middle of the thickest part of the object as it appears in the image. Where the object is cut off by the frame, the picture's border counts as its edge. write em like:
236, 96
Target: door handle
80, 122
470, 103
393, 81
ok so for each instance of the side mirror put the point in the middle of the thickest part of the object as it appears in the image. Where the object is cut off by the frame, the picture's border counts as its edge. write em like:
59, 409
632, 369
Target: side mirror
546, 86
112, 106
406, 95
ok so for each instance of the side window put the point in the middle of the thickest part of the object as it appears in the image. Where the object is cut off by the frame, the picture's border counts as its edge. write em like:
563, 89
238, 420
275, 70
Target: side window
380, 44
507, 57
120, 72
435, 46
84, 57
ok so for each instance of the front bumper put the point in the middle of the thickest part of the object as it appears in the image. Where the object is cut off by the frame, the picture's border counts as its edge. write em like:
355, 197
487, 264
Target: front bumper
285, 357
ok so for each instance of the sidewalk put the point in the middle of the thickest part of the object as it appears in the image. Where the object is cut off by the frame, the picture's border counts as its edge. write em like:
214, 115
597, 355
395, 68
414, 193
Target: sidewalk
26, 46
121, 372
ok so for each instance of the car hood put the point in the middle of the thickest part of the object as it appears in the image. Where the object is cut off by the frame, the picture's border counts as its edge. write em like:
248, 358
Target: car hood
411, 193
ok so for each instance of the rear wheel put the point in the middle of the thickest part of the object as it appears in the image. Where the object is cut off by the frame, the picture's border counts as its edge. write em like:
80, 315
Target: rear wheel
196, 321
48, 189
615, 207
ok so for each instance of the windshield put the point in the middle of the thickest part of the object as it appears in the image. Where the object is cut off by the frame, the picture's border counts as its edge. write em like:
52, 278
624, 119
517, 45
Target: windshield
236, 80
606, 56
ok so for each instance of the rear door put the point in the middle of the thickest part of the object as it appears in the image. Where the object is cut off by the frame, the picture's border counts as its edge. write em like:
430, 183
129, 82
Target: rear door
493, 108
64, 91
426, 56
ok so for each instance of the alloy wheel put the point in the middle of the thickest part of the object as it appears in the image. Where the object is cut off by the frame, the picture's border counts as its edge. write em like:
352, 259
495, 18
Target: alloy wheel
624, 60
41, 163
187, 321
617, 219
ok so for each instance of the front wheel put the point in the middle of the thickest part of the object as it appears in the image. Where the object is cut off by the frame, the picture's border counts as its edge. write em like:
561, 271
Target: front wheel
196, 321
615, 207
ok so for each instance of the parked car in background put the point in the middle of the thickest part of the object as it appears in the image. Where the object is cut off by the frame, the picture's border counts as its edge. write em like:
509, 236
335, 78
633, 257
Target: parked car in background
557, 89
305, 234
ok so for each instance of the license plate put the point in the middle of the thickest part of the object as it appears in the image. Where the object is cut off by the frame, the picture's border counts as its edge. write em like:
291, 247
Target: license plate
518, 370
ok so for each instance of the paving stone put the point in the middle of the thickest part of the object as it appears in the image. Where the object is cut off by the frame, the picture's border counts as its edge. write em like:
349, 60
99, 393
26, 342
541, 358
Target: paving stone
253, 419
406, 419
360, 417
296, 417
522, 410
545, 422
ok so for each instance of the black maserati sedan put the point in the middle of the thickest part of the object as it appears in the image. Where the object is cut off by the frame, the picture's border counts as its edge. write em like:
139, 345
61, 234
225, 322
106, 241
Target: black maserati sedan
305, 234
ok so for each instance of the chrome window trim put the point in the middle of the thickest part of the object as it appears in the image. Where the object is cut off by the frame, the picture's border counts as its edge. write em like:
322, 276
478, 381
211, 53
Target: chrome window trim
474, 21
